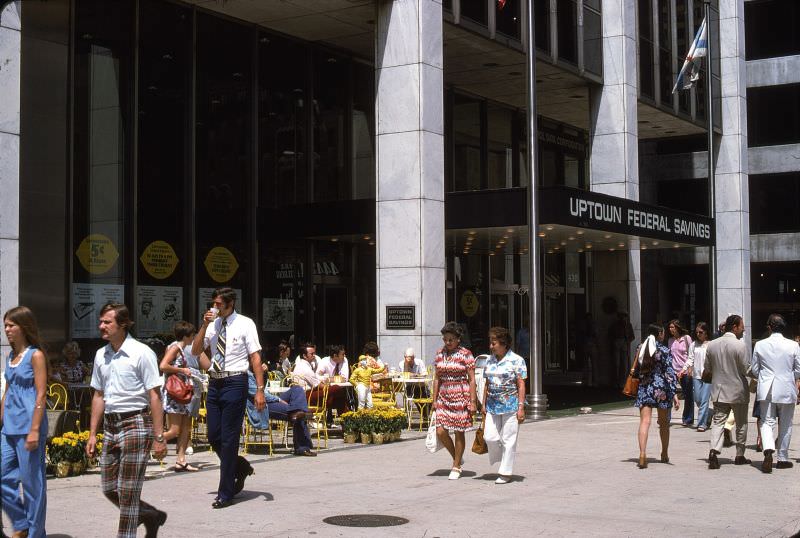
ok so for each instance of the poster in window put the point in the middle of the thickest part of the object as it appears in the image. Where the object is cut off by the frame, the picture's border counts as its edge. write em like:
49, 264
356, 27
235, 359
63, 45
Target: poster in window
86, 301
204, 302
277, 314
157, 309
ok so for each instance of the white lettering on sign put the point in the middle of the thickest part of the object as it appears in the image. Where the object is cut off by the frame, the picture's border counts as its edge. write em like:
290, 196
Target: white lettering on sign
595, 210
648, 221
694, 229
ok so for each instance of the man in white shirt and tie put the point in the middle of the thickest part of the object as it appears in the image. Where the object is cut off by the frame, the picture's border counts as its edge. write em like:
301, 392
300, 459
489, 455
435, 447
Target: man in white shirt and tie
334, 364
231, 339
776, 364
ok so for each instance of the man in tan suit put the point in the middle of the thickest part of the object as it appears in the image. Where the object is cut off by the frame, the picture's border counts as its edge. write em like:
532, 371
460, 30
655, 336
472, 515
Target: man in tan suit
728, 364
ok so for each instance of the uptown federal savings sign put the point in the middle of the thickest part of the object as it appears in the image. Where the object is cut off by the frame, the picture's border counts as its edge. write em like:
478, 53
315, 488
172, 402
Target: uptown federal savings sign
575, 207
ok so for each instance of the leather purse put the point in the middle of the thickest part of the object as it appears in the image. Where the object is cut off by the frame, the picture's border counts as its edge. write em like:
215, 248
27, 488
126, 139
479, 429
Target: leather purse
631, 388
179, 389
479, 444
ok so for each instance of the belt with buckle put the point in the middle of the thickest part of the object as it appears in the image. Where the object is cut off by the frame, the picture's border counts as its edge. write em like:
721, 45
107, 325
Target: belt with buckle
222, 375
118, 417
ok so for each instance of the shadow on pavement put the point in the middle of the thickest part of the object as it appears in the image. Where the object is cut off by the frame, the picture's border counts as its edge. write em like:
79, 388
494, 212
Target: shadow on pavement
446, 472
493, 476
247, 495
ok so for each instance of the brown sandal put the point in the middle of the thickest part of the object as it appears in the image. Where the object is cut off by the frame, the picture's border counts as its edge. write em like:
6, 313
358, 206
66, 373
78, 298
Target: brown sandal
184, 467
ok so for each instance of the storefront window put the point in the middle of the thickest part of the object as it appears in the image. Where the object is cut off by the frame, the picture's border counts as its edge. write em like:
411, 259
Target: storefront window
223, 170
165, 63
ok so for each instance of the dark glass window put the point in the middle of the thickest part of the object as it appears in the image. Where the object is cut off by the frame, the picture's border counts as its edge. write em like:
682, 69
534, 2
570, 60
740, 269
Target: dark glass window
562, 155
363, 127
282, 105
331, 94
567, 17
541, 21
592, 39
164, 150
467, 165
771, 28
508, 18
684, 39
501, 151
665, 61
103, 129
224, 143
773, 203
646, 49
690, 195
766, 104
475, 10
776, 290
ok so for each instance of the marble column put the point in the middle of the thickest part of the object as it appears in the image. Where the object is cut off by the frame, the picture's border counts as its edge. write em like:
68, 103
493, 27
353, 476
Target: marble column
10, 60
614, 162
732, 195
410, 173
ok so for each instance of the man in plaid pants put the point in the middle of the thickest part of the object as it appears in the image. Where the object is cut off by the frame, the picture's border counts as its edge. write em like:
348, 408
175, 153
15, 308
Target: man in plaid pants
126, 381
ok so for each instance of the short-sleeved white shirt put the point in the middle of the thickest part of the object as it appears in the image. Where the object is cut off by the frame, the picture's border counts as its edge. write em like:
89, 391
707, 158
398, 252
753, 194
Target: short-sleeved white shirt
126, 376
241, 339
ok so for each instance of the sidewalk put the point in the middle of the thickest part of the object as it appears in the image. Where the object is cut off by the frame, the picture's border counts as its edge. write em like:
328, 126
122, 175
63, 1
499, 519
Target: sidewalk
575, 476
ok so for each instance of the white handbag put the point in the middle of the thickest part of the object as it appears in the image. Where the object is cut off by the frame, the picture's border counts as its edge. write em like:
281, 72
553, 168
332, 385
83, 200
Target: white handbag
432, 442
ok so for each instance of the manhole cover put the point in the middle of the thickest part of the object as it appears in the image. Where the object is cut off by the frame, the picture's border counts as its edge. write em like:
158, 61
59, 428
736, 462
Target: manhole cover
365, 520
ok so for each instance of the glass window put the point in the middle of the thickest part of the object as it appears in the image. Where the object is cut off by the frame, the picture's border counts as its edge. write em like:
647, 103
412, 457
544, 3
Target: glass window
684, 39
508, 18
776, 289
665, 57
501, 173
224, 140
363, 152
467, 143
690, 195
646, 46
567, 31
773, 203
475, 10
165, 64
767, 103
771, 28
541, 21
282, 141
103, 129
331, 95
592, 40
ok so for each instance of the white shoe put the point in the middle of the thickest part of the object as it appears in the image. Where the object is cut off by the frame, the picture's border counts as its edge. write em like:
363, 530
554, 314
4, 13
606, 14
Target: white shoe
189, 451
455, 474
502, 479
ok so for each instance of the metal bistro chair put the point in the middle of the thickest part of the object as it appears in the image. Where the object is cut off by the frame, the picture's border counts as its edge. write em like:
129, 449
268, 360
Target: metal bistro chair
319, 412
256, 436
57, 398
423, 405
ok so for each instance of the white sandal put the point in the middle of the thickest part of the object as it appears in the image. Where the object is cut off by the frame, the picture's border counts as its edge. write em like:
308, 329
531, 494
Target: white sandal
455, 473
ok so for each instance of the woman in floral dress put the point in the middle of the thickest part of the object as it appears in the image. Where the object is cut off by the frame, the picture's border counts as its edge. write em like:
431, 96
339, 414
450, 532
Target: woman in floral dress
657, 388
454, 394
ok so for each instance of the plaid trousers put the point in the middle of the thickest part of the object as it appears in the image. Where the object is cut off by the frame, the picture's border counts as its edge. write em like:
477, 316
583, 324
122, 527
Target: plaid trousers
126, 450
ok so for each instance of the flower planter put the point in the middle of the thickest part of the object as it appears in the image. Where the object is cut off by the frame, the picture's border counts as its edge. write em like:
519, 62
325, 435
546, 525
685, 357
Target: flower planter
366, 438
350, 437
396, 435
378, 438
77, 468
63, 468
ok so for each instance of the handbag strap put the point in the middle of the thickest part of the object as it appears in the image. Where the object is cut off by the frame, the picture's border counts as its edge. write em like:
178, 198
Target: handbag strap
636, 357
483, 404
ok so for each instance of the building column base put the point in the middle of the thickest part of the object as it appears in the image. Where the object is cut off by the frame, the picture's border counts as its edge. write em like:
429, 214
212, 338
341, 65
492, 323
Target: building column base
536, 407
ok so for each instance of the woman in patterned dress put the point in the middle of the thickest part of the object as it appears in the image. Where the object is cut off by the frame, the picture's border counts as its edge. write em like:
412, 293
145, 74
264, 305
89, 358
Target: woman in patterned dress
657, 388
177, 362
72, 370
454, 394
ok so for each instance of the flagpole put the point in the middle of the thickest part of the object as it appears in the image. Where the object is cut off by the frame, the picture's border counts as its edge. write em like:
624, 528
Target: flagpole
712, 208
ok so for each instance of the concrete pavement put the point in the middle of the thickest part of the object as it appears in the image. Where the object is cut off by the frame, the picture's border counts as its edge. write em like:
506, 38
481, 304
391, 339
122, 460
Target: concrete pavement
575, 476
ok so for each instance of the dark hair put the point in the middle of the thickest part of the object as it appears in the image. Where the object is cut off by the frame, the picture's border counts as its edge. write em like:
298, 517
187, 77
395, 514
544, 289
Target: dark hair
453, 328
705, 328
182, 329
371, 349
731, 321
502, 335
22, 316
121, 314
309, 345
776, 323
283, 346
335, 349
677, 324
227, 295
649, 361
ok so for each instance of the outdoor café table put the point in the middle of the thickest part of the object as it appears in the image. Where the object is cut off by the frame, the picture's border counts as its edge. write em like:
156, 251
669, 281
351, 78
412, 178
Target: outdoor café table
80, 393
413, 381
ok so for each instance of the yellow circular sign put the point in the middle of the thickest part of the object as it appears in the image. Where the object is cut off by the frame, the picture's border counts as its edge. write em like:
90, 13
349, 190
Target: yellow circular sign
469, 303
221, 264
97, 254
159, 259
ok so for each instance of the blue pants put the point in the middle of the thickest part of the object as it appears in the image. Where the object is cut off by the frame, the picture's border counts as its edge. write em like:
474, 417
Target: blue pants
225, 406
295, 399
701, 394
687, 385
19, 465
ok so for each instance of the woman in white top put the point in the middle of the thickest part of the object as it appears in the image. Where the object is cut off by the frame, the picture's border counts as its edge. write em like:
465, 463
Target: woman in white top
695, 364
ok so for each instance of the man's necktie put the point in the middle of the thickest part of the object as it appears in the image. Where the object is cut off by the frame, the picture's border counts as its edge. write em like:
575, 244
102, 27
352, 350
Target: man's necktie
221, 341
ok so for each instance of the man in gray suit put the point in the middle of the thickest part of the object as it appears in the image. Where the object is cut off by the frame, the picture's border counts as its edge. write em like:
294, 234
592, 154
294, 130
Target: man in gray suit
727, 365
776, 363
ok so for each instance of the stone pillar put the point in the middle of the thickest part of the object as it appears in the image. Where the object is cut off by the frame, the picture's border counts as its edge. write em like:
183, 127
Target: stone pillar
615, 135
10, 60
732, 196
410, 173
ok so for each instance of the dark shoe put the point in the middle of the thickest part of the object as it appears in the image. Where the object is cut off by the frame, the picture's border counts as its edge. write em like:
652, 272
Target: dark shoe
766, 466
784, 465
219, 503
152, 521
308, 453
741, 460
726, 439
713, 462
642, 462
243, 470
294, 416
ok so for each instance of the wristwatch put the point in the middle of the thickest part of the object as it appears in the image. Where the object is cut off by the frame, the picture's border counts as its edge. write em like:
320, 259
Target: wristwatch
160, 437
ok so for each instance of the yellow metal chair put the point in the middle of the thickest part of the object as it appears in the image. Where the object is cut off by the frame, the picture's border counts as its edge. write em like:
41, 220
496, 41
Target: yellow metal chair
319, 413
256, 436
57, 398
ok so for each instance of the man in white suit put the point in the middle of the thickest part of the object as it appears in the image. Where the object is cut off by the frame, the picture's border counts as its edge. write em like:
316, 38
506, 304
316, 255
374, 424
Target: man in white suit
776, 363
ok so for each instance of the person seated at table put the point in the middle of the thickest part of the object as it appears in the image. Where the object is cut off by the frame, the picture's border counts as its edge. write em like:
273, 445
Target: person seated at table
72, 370
361, 378
290, 407
304, 375
334, 364
413, 366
